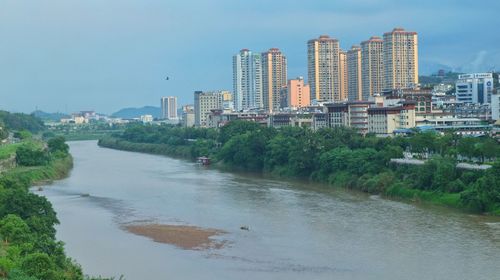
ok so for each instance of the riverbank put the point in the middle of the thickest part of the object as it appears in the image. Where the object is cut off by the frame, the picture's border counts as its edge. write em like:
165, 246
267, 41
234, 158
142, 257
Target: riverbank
385, 184
57, 169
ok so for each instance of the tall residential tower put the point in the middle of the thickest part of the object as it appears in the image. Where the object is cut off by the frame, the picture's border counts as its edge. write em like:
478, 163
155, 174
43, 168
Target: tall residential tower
247, 80
400, 59
323, 69
274, 78
169, 108
372, 70
354, 74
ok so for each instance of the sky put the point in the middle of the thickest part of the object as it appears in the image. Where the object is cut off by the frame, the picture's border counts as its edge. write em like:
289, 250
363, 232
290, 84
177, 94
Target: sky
104, 55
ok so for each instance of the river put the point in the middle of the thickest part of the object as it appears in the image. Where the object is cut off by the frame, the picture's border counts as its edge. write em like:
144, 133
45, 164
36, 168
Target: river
297, 230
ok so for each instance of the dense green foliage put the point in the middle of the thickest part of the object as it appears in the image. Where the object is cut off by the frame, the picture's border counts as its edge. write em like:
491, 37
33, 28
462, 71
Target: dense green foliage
19, 121
90, 131
28, 248
340, 157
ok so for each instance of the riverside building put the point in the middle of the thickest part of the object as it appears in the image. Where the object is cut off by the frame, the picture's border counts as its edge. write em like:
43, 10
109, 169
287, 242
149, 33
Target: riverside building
204, 103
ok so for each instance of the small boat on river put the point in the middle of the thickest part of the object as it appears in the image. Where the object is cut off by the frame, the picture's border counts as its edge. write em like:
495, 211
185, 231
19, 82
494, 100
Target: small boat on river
203, 161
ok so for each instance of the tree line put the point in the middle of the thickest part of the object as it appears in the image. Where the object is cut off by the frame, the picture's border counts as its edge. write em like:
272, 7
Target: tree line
340, 157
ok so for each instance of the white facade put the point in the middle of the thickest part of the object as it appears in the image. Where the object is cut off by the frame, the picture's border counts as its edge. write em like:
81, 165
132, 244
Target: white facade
474, 88
204, 103
495, 106
247, 80
146, 118
169, 108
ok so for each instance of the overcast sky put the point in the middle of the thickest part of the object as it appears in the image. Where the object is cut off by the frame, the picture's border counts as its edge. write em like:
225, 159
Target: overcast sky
103, 55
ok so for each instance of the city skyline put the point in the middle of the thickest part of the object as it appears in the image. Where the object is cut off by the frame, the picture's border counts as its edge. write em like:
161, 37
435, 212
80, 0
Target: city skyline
93, 62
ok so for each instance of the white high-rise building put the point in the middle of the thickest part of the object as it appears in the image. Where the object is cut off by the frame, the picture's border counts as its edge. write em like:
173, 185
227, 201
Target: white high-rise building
247, 80
169, 108
474, 88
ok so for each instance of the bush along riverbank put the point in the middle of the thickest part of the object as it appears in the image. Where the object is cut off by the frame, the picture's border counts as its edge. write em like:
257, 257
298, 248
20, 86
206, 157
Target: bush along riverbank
340, 157
28, 247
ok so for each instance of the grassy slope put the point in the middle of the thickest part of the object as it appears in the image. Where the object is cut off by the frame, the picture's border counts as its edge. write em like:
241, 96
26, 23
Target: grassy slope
7, 150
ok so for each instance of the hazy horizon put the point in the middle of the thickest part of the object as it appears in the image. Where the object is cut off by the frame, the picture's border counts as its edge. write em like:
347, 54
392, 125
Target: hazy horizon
65, 56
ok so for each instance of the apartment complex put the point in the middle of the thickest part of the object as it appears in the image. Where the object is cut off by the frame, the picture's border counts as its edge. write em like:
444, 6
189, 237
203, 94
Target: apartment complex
372, 67
247, 80
169, 108
298, 93
274, 78
204, 102
354, 80
323, 69
400, 59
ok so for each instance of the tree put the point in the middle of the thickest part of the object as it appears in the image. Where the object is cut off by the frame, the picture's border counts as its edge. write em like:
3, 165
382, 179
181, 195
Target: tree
38, 265
13, 229
58, 144
29, 155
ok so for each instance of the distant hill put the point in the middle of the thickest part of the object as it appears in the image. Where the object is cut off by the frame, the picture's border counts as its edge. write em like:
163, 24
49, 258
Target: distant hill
448, 78
19, 121
49, 116
130, 113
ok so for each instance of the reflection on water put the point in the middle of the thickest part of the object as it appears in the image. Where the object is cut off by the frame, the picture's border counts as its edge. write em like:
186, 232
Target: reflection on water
297, 230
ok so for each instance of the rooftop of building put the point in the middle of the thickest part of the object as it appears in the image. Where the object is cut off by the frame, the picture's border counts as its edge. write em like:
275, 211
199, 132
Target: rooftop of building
400, 30
323, 38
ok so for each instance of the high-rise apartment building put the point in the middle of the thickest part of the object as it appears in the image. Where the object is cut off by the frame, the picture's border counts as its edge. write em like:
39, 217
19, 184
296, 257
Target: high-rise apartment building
323, 69
343, 75
372, 67
247, 80
274, 78
298, 93
354, 88
169, 108
400, 59
204, 103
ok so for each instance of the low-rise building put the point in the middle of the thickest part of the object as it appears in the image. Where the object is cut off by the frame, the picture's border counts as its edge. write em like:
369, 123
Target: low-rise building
463, 126
350, 114
290, 119
204, 103
383, 121
146, 118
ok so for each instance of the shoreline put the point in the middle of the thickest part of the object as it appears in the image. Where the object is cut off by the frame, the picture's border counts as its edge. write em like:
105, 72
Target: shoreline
412, 196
